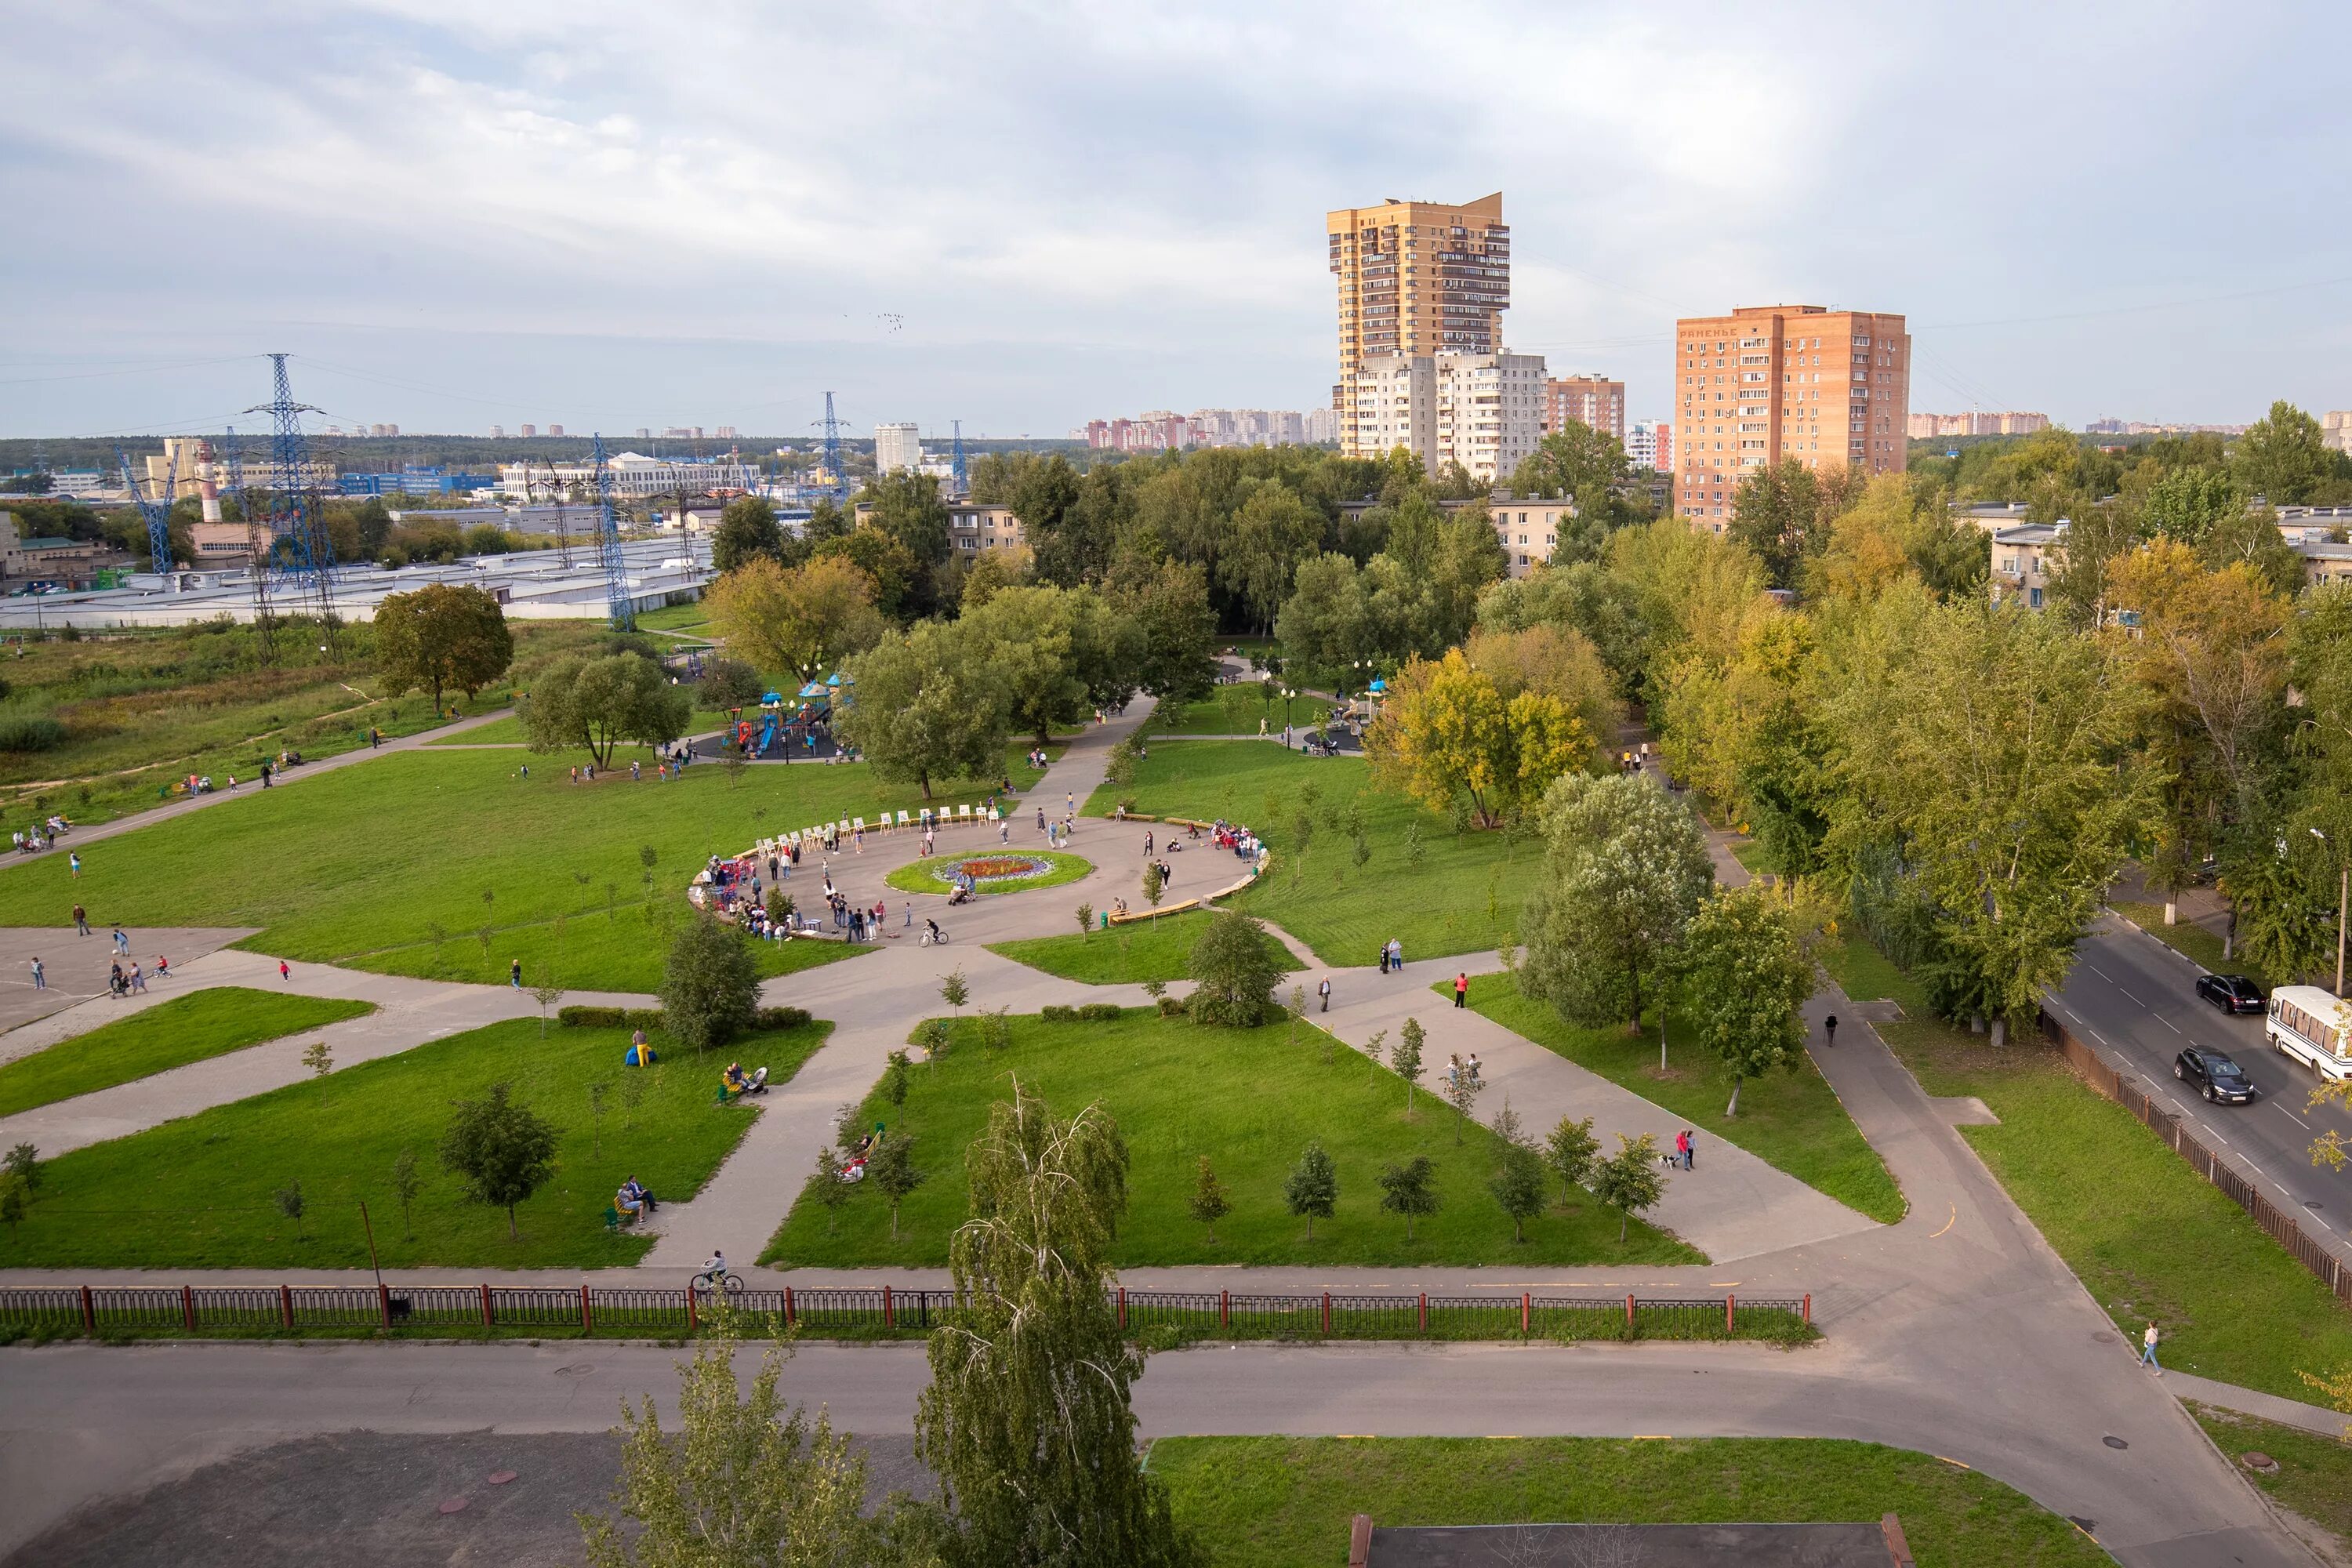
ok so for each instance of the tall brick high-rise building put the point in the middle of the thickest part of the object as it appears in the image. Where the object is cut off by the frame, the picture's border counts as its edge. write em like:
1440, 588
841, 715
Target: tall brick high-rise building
1415, 279
1590, 400
1829, 388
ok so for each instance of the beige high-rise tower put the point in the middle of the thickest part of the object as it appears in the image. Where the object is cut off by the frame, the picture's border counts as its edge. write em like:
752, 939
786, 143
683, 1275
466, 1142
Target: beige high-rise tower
1829, 388
1415, 279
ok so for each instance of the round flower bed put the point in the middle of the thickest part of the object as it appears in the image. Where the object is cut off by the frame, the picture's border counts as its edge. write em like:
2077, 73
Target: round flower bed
1006, 872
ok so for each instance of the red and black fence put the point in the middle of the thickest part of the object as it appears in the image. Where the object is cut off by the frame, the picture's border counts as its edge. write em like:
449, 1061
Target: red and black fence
870, 1310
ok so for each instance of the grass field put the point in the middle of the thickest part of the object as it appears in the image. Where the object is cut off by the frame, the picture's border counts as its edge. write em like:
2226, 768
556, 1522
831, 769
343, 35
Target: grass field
1248, 1100
142, 712
923, 876
2315, 1476
674, 618
1867, 975
197, 1193
1462, 895
2145, 1235
446, 865
168, 1035
1233, 710
1125, 954
1285, 1503
1790, 1120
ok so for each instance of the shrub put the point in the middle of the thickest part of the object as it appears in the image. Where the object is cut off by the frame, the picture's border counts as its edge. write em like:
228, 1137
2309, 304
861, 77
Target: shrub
591, 1018
1101, 1011
1057, 1014
780, 1018
1175, 1006
650, 1019
30, 733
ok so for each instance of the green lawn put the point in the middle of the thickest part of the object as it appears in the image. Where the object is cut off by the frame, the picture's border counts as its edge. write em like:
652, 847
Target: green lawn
1285, 1503
168, 1035
2314, 1475
1867, 975
674, 618
1461, 896
197, 1193
1249, 1101
399, 865
2145, 1235
1126, 955
923, 876
508, 731
1233, 710
1790, 1120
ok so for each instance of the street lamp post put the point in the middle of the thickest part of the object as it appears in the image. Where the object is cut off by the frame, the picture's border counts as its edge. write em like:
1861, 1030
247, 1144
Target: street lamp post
2343, 905
1289, 695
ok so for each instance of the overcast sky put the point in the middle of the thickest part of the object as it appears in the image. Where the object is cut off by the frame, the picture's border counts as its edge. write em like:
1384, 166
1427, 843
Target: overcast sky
456, 213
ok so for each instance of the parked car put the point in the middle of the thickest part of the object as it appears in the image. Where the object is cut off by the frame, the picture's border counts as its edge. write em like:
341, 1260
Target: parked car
2217, 1077
2230, 993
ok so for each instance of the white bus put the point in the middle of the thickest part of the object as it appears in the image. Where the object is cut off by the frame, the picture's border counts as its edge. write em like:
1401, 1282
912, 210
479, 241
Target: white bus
2307, 1024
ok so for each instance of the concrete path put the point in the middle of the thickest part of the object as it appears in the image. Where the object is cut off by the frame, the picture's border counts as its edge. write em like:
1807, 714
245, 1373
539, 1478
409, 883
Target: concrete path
2252, 1402
76, 968
408, 1013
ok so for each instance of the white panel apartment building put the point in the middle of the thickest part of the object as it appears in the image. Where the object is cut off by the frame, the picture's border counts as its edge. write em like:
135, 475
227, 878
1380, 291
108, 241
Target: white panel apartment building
1483, 411
897, 447
636, 476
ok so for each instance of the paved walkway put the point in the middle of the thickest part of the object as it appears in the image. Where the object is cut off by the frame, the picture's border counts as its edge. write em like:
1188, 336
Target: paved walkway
409, 1013
76, 968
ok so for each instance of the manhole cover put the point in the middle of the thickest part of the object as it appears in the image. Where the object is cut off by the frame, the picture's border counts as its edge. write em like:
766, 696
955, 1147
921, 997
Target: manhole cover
501, 1477
454, 1505
2114, 1442
2102, 1337
2312, 1207
2255, 1459
577, 1369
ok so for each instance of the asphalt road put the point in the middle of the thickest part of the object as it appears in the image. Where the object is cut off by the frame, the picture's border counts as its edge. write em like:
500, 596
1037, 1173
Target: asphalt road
2134, 1000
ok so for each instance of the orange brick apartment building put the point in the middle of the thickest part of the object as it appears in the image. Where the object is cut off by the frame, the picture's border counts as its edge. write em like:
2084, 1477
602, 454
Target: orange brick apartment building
1768, 382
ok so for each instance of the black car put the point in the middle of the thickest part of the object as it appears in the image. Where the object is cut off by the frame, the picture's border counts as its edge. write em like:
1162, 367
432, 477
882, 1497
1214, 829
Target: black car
2216, 1075
2230, 993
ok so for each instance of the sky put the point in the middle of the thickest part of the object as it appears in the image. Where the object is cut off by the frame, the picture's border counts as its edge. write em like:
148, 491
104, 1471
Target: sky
606, 215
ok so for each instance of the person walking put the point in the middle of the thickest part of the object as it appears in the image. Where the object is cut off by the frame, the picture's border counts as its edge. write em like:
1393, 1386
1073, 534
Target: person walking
283, 972
138, 979
41, 975
1690, 1150
1829, 1027
162, 967
81, 920
1682, 1147
1385, 958
2148, 1350
265, 775
1325, 991
73, 858
122, 942
1462, 989
514, 972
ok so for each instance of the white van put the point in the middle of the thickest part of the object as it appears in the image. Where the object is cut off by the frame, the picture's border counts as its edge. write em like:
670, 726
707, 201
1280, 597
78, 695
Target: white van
2308, 1023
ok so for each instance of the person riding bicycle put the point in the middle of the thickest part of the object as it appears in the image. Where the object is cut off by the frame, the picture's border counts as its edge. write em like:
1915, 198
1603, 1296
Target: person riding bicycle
714, 1273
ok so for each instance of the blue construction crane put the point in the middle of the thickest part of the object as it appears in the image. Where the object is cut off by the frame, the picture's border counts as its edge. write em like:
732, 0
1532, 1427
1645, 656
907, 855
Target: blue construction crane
157, 512
833, 454
623, 610
963, 480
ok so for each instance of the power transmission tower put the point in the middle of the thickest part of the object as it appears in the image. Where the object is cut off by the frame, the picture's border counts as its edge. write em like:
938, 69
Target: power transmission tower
608, 533
307, 554
833, 454
258, 544
962, 479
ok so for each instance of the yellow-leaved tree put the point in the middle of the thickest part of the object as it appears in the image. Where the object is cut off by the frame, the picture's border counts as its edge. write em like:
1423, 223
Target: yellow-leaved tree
1447, 730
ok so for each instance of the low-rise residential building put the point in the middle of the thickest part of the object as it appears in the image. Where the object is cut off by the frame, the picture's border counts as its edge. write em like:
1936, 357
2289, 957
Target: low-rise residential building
2024, 557
971, 526
43, 558
1528, 531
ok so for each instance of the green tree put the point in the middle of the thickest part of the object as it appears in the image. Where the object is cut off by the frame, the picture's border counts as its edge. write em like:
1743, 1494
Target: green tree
288, 1202
826, 1187
1462, 1091
891, 1168
441, 638
1409, 1189
1406, 1062
504, 1152
2284, 456
1518, 1187
1624, 869
788, 619
1784, 514
1028, 1421
15, 1200
896, 1081
1571, 1151
1153, 884
1085, 918
1748, 978
955, 990
1312, 1191
745, 1483
1270, 536
928, 705
747, 529
1170, 607
710, 983
598, 703
1628, 1181
1233, 966
1058, 653
321, 1061
1208, 1202
728, 683
908, 509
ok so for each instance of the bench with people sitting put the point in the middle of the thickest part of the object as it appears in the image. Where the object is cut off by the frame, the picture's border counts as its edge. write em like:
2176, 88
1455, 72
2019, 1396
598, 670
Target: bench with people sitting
630, 1204
735, 1083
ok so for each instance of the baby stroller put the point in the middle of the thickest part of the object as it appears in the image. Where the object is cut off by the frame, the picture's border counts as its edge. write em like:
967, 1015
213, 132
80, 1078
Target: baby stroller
961, 895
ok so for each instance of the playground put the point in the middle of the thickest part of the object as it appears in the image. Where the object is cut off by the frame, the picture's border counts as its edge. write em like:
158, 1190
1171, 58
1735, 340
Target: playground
798, 728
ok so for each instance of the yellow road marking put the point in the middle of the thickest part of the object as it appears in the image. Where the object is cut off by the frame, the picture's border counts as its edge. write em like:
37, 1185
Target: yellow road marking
1954, 1463
1949, 1223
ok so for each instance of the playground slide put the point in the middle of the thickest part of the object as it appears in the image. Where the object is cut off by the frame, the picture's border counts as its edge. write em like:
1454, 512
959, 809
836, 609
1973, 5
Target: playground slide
767, 737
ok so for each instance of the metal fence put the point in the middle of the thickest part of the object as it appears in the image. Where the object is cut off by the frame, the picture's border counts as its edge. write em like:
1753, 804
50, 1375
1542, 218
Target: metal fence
2325, 1265
587, 1308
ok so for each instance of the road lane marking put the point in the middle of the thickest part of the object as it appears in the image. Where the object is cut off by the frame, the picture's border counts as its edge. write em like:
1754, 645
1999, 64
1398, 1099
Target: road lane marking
2166, 1022
2097, 970
2291, 1116
1949, 1223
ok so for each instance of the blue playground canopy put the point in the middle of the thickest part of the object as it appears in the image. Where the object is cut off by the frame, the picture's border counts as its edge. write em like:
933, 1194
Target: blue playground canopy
770, 699
1380, 686
813, 689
